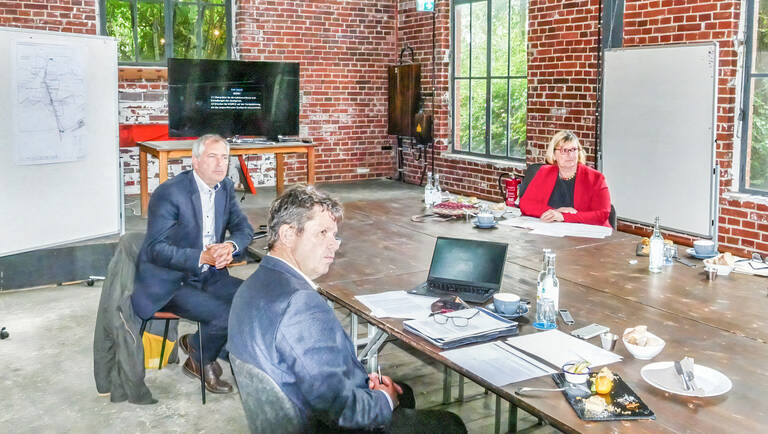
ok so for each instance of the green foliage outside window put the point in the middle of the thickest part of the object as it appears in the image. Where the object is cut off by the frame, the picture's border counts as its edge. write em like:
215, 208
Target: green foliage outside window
505, 77
758, 152
199, 29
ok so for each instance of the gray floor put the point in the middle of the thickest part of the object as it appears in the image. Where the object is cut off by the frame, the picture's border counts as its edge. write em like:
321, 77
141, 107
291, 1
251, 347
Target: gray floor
46, 381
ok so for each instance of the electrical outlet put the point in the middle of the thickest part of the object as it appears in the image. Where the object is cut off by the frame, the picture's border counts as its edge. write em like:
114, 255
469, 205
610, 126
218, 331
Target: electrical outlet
363, 170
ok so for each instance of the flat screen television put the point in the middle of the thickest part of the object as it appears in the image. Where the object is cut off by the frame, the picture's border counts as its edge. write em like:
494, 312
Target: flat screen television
230, 97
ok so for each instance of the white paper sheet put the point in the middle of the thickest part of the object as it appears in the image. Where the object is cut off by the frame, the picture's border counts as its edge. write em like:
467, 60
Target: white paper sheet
559, 348
497, 363
558, 229
397, 304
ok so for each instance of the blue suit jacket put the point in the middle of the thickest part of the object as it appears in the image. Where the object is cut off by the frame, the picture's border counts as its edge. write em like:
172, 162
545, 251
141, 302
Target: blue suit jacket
281, 325
171, 251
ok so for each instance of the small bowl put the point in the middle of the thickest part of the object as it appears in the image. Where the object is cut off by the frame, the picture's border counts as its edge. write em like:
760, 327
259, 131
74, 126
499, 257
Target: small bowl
647, 352
574, 378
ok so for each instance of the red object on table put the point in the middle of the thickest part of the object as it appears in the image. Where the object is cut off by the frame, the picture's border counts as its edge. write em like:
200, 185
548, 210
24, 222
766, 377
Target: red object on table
130, 134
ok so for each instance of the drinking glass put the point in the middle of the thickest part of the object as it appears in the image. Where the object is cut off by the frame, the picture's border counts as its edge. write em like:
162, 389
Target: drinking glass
670, 251
546, 315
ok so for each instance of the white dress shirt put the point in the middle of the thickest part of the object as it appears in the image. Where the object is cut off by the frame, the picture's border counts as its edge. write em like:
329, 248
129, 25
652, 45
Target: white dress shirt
208, 205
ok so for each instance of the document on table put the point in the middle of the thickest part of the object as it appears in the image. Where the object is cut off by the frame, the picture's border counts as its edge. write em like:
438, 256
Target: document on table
498, 363
559, 348
558, 229
397, 304
479, 324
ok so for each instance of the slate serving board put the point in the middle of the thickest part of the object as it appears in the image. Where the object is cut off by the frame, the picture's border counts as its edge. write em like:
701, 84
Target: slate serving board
618, 399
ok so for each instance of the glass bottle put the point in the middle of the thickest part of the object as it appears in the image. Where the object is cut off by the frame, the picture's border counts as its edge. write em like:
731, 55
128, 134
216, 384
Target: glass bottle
438, 192
656, 252
429, 190
548, 286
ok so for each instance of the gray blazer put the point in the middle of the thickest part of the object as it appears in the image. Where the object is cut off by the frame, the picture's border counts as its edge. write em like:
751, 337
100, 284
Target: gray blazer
281, 325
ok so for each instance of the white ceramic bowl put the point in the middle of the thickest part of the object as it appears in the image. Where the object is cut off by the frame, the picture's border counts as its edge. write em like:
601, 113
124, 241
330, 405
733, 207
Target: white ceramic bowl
722, 270
647, 352
570, 377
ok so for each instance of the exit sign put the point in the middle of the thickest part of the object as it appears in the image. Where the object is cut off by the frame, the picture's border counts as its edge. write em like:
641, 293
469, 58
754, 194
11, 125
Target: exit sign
425, 5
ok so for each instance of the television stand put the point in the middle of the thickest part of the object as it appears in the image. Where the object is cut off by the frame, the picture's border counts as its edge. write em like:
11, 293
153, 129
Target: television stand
165, 151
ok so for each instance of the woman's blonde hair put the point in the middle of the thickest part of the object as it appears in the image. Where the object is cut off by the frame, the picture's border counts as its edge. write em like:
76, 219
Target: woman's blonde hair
558, 140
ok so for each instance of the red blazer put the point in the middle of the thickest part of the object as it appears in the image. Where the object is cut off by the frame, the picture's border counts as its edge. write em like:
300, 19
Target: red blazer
590, 196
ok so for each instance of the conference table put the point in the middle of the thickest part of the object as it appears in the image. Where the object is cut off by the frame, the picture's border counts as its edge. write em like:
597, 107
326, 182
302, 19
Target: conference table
719, 323
166, 150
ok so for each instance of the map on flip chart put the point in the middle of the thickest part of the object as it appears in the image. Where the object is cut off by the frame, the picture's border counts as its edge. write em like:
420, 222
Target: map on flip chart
49, 102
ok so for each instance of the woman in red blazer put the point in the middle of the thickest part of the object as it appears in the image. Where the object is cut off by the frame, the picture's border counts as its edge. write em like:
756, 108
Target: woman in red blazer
566, 190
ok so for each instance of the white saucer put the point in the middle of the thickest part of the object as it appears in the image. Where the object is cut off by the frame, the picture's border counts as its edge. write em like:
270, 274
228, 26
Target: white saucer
474, 223
710, 382
691, 251
522, 310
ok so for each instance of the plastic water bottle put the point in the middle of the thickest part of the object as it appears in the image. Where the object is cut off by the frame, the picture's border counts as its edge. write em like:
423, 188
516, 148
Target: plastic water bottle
656, 252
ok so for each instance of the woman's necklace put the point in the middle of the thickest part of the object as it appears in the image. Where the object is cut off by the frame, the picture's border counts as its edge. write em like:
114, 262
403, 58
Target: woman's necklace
568, 178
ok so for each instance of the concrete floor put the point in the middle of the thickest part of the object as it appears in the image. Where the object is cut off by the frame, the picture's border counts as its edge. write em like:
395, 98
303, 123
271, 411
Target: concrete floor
47, 385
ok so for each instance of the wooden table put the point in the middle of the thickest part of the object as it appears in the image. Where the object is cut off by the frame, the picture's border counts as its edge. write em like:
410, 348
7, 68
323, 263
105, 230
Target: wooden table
164, 151
720, 323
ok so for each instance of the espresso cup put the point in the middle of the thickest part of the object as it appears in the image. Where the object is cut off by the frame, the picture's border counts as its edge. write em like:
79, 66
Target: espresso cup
704, 247
485, 220
506, 303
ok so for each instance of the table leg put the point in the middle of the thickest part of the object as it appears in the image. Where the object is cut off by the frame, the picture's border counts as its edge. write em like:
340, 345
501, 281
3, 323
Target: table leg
162, 166
512, 421
143, 182
497, 416
461, 388
310, 165
279, 175
447, 377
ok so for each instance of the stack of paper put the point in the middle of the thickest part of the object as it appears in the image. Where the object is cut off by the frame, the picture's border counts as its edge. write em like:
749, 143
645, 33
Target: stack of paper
397, 304
498, 363
481, 327
558, 229
559, 348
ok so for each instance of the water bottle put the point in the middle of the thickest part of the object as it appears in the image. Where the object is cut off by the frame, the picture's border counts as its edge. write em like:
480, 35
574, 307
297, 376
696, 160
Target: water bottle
548, 287
656, 252
429, 191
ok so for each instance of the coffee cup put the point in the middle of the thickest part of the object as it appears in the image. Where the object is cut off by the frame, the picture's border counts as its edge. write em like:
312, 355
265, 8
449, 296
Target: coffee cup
506, 303
704, 247
484, 219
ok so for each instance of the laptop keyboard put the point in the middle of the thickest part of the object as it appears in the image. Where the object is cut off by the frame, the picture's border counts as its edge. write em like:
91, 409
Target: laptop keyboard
469, 293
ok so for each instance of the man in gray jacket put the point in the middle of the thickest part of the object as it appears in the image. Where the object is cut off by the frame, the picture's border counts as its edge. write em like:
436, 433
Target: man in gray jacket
281, 325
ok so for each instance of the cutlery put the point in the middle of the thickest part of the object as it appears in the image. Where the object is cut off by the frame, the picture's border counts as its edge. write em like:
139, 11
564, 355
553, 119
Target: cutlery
690, 378
679, 370
685, 262
537, 389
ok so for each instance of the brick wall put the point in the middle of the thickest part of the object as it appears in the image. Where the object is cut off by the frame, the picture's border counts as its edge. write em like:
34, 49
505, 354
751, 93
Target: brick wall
562, 80
71, 16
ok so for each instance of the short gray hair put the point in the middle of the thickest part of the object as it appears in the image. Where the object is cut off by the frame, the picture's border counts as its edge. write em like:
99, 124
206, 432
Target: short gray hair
296, 207
198, 146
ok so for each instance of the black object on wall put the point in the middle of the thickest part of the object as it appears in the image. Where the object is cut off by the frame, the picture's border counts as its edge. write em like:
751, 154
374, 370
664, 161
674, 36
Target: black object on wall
612, 24
404, 90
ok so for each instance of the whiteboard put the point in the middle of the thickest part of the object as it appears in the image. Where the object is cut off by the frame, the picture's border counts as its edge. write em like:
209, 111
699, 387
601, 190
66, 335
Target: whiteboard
62, 181
658, 134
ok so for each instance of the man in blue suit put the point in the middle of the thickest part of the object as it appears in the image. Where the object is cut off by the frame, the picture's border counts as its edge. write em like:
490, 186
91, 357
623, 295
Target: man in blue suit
282, 326
182, 264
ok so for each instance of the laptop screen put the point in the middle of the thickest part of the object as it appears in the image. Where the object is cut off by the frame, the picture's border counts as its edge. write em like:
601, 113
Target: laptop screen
474, 262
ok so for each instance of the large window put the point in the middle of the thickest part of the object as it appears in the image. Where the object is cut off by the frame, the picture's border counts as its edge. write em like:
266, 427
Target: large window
754, 155
149, 31
490, 77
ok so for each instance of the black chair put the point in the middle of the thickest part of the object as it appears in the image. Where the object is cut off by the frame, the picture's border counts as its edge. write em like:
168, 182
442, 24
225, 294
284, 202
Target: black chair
266, 406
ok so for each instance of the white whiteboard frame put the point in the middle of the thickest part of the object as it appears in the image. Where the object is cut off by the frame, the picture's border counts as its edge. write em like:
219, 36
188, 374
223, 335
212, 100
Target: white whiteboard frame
47, 205
646, 159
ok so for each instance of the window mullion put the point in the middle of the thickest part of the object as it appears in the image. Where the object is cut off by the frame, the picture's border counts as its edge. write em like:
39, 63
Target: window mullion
509, 67
169, 12
199, 30
488, 102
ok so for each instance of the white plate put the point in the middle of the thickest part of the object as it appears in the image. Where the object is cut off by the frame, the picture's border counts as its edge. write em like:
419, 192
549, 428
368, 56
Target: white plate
710, 382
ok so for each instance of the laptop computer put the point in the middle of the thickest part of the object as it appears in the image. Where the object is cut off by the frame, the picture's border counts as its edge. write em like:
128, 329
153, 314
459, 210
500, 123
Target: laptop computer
470, 269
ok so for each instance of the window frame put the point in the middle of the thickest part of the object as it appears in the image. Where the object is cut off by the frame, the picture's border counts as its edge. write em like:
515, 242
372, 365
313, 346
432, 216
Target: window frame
747, 99
488, 77
168, 28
